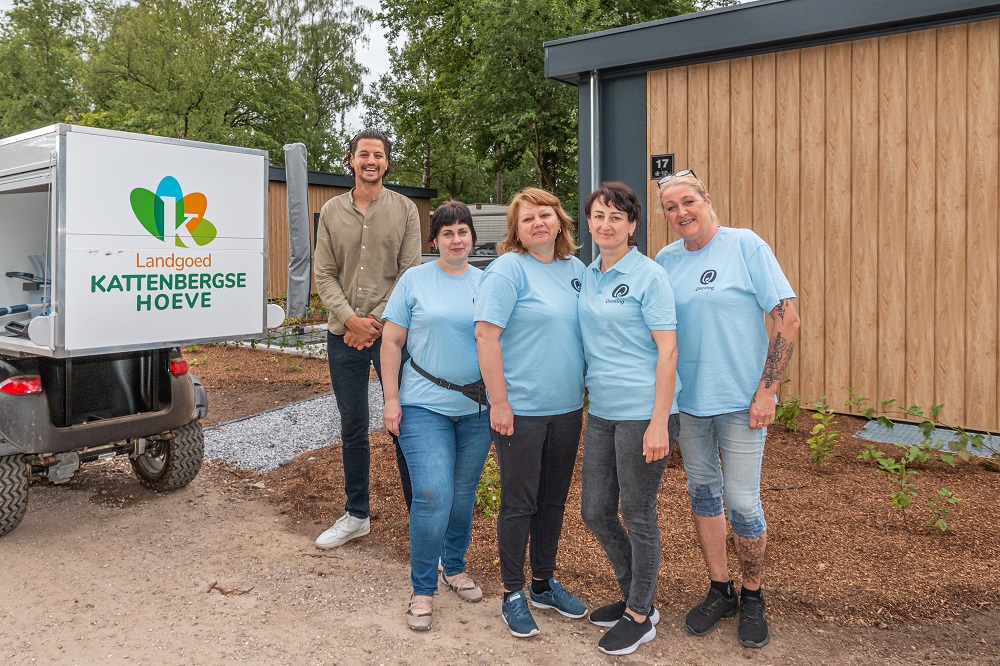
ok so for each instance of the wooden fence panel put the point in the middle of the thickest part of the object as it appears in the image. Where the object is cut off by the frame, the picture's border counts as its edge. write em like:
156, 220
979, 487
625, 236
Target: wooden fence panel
658, 141
837, 294
717, 180
949, 265
677, 131
864, 217
892, 227
786, 192
920, 237
811, 306
983, 218
741, 144
762, 168
698, 148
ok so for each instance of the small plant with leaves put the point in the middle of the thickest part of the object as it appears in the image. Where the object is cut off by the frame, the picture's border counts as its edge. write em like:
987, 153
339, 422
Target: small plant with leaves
823, 437
900, 473
940, 504
488, 490
787, 410
192, 349
295, 366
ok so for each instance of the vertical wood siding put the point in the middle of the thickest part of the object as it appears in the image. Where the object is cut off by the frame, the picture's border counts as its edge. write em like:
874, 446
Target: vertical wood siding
871, 167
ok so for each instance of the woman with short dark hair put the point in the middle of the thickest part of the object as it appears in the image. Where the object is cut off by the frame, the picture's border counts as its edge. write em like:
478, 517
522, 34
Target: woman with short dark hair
630, 346
444, 434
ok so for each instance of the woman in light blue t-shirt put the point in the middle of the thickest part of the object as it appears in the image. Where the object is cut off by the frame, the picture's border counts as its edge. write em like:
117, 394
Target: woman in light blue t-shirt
724, 281
531, 356
444, 435
630, 345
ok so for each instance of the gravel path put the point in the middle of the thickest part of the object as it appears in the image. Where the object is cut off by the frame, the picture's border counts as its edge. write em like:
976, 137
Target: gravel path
274, 438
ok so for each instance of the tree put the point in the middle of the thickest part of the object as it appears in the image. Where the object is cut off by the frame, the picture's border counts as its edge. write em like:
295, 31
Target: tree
319, 37
481, 75
41, 60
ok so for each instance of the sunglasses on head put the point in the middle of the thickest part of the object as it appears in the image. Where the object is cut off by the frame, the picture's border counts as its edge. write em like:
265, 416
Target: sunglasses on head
678, 174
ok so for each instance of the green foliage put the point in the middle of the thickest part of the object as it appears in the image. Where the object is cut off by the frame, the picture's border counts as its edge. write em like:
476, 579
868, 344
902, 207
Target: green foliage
254, 73
42, 45
940, 504
824, 437
467, 96
788, 410
488, 490
899, 472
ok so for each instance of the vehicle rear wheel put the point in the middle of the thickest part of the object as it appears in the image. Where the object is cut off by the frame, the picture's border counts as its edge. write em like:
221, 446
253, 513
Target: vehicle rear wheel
13, 491
169, 464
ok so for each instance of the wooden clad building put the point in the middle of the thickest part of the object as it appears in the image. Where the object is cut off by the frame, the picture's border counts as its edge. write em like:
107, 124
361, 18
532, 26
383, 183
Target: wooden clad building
322, 186
861, 141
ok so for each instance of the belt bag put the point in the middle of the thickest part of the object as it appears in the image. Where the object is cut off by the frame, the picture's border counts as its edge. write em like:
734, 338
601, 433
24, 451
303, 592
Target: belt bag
476, 391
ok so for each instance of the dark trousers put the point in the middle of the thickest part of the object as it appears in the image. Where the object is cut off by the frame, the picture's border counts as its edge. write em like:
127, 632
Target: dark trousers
349, 370
536, 468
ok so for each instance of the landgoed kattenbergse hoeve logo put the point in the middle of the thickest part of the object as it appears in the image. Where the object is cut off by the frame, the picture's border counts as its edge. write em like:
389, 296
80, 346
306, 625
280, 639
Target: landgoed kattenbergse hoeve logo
172, 217
175, 281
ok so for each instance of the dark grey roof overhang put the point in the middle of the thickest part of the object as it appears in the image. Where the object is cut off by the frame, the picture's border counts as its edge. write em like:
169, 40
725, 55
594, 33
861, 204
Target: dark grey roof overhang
747, 29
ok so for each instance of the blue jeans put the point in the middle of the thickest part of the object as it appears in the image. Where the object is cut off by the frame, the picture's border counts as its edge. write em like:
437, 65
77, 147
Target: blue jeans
615, 471
735, 479
445, 456
349, 369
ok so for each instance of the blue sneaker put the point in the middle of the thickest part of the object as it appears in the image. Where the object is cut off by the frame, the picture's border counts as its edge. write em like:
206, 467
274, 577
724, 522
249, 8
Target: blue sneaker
558, 598
517, 616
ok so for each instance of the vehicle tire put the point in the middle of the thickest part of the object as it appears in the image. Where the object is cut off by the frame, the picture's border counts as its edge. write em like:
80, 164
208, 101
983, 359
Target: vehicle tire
13, 491
169, 464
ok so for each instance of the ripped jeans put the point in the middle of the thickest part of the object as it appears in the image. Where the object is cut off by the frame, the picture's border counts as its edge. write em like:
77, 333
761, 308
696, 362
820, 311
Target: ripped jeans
735, 479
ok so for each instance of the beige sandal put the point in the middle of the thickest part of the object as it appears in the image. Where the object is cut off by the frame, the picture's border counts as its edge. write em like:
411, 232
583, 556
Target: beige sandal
463, 585
418, 614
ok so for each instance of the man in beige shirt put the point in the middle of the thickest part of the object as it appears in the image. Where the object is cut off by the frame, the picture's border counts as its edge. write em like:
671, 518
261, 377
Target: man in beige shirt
367, 238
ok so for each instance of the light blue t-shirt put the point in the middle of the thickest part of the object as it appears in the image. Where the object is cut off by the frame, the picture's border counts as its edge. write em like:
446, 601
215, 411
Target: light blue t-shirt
437, 310
722, 292
617, 312
536, 305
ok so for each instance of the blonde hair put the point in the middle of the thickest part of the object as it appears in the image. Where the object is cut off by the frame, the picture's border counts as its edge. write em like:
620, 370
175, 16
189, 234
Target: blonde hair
565, 246
695, 183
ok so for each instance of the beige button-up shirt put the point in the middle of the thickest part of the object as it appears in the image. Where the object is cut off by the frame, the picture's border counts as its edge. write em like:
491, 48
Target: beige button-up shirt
359, 258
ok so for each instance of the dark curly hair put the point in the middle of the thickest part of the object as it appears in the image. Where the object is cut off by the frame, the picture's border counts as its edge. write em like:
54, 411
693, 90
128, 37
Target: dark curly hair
352, 148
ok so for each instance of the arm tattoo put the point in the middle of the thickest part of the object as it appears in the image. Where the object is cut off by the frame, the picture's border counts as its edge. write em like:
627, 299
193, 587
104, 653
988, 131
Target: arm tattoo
780, 308
779, 355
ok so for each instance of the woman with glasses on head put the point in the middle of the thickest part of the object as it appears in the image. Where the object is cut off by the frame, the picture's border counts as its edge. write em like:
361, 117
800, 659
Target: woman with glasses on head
724, 281
531, 357
444, 434
630, 346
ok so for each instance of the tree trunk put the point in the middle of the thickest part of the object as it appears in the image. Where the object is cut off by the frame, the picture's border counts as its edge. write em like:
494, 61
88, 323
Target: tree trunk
427, 166
499, 198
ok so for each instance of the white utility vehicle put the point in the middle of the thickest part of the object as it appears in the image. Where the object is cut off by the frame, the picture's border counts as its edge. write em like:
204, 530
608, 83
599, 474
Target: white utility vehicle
117, 250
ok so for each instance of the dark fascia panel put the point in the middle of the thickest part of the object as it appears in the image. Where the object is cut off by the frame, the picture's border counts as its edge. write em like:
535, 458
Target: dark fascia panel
277, 173
756, 27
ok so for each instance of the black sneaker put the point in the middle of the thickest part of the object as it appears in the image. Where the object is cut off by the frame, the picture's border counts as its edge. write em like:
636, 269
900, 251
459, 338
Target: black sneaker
753, 631
703, 617
626, 636
608, 616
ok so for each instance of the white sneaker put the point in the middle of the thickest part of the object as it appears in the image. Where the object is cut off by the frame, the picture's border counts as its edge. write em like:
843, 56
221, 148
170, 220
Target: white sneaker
346, 528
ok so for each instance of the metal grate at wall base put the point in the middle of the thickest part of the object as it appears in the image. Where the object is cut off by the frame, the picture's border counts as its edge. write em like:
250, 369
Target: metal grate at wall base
905, 434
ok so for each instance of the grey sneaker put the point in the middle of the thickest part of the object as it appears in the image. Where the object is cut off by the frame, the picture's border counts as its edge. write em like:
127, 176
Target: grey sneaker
346, 528
419, 613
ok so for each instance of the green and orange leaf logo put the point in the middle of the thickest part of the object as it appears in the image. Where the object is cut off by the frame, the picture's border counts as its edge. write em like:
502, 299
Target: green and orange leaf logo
168, 214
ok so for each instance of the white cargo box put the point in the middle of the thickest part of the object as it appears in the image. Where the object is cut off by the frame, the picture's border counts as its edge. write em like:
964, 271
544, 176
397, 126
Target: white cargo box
146, 242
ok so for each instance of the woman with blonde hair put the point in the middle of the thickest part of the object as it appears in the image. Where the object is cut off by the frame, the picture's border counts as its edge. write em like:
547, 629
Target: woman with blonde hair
531, 358
724, 281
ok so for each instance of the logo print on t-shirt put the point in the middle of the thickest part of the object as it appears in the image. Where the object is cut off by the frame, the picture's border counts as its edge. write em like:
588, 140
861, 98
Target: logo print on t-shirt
621, 291
708, 276
575, 283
